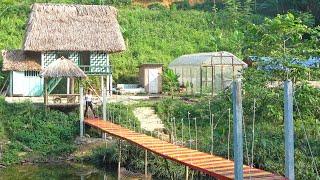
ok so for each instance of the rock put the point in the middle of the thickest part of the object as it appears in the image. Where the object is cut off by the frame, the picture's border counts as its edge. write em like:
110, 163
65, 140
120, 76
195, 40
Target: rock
87, 135
2, 166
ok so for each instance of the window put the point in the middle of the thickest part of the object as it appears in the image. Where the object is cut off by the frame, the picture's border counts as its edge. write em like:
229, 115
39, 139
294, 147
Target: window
31, 73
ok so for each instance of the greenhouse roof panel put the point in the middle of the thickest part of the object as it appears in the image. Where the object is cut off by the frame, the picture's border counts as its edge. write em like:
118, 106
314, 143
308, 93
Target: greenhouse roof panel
206, 59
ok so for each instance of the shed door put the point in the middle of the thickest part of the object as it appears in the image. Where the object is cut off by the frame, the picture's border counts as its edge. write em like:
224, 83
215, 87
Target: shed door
153, 80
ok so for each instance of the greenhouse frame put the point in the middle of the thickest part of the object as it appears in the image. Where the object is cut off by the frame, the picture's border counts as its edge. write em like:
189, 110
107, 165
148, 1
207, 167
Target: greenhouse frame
207, 73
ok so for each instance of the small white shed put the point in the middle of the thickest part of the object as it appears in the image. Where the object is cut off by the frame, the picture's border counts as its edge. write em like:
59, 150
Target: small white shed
150, 78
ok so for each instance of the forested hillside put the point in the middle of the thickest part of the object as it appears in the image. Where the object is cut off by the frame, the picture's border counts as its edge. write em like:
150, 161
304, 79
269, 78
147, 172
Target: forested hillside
157, 34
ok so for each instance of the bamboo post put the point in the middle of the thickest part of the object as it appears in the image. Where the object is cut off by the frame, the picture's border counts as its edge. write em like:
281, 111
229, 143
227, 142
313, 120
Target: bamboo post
81, 110
237, 130
289, 130
146, 163
119, 161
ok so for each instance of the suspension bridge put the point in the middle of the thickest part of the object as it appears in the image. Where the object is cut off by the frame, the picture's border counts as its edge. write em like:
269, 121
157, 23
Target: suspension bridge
214, 166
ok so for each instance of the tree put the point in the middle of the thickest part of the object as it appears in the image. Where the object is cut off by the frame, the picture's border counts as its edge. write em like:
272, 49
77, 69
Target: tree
284, 40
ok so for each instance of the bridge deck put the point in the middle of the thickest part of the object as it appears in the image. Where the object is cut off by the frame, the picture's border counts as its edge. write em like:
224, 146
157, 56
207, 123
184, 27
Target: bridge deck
212, 165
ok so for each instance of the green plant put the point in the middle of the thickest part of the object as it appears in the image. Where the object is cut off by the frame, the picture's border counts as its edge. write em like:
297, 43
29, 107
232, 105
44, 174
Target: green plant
170, 82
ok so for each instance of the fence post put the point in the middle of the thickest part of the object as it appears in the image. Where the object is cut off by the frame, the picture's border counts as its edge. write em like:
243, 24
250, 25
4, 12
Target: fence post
237, 129
81, 110
289, 130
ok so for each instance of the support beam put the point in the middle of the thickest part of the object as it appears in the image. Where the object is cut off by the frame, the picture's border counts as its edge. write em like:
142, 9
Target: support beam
146, 164
289, 130
81, 110
237, 130
119, 161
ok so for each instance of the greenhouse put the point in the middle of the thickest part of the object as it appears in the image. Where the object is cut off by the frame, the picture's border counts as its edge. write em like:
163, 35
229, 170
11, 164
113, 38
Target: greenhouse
207, 73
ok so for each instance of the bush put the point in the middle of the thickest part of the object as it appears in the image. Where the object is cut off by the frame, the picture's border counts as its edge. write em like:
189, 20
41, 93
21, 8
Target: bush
47, 133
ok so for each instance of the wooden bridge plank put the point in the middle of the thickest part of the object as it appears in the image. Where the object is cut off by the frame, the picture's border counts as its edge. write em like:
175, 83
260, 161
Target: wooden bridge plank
212, 165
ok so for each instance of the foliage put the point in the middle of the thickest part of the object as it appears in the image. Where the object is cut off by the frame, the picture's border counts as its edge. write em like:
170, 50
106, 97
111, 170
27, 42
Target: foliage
47, 134
170, 81
268, 142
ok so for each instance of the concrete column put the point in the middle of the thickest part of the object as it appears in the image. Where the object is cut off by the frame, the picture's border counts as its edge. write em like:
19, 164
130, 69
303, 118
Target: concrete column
289, 130
237, 130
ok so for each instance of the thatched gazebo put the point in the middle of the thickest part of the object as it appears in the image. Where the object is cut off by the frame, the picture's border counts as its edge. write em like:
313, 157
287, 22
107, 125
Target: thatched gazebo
61, 68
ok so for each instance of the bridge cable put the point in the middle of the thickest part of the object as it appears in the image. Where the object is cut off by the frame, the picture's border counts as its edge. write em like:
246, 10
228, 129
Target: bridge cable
189, 129
306, 136
229, 133
252, 143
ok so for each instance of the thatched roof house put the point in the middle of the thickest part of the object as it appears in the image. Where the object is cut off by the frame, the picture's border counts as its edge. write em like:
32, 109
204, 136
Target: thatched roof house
53, 27
83, 34
62, 67
18, 60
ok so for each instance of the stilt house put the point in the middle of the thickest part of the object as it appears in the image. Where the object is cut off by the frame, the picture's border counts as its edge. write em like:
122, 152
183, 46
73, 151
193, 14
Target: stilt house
85, 34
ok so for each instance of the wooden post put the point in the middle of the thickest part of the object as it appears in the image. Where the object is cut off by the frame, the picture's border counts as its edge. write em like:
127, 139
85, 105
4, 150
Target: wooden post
102, 85
45, 91
72, 85
68, 85
81, 110
119, 161
237, 130
145, 164
11, 84
289, 130
200, 80
104, 108
187, 172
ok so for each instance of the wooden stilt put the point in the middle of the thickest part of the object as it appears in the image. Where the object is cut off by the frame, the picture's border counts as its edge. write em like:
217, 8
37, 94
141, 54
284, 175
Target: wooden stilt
146, 163
81, 111
119, 161
104, 108
187, 172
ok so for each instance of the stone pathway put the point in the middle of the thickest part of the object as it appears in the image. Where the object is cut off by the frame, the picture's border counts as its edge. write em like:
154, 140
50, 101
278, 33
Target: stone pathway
148, 118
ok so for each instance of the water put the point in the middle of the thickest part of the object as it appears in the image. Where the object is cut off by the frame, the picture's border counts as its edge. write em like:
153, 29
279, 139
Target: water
55, 171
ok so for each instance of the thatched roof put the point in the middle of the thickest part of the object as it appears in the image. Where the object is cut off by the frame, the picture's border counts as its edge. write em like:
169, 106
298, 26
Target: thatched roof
53, 27
18, 60
62, 67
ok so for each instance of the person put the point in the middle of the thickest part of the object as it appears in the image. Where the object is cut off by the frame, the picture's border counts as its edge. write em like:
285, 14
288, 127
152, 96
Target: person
88, 99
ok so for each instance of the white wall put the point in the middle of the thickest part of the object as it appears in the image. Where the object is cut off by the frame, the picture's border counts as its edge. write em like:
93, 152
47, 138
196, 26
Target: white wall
26, 85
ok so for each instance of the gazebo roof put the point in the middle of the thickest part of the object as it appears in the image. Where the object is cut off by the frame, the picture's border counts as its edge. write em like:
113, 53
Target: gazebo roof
62, 67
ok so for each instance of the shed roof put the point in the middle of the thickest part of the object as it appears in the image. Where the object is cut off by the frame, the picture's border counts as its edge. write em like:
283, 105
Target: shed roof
203, 59
18, 60
62, 67
53, 27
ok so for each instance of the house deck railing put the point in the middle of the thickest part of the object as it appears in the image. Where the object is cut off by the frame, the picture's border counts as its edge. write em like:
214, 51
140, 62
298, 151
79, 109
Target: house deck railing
96, 70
